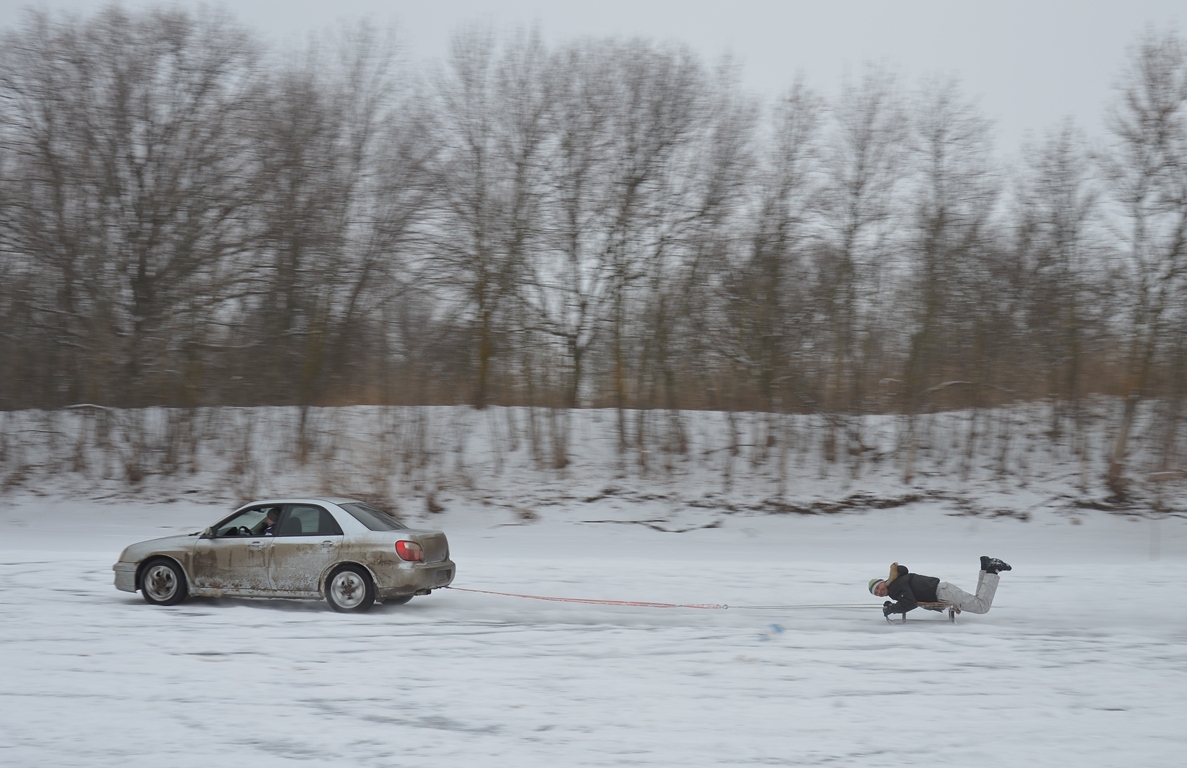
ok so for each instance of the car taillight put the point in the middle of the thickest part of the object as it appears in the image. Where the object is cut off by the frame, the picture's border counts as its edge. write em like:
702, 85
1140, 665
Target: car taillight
409, 550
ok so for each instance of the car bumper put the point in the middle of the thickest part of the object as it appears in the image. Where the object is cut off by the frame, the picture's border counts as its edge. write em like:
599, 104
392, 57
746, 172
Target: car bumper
125, 576
418, 580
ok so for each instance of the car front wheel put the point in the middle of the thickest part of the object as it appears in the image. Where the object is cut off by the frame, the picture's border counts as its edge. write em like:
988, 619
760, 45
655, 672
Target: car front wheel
163, 583
350, 590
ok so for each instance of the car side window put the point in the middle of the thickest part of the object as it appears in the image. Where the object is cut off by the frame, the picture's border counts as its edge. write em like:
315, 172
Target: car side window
307, 520
374, 519
249, 522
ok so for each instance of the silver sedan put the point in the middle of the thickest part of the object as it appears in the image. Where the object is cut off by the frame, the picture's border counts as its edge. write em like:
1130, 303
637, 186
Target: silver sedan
346, 551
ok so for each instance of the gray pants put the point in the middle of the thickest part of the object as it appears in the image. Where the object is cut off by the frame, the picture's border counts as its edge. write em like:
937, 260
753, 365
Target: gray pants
978, 603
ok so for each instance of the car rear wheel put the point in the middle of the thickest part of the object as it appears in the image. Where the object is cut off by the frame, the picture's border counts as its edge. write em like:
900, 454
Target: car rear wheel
163, 583
350, 590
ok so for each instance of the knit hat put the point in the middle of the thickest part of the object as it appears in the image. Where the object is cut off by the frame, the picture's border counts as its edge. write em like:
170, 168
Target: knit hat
893, 576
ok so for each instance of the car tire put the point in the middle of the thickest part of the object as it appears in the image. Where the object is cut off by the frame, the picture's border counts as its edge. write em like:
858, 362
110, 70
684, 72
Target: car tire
397, 600
349, 590
162, 582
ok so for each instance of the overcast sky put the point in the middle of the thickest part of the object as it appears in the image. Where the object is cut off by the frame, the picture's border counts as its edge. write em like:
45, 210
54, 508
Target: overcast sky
1028, 63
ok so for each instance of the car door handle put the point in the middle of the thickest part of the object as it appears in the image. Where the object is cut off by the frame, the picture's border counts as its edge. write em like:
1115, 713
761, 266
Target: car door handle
256, 545
327, 544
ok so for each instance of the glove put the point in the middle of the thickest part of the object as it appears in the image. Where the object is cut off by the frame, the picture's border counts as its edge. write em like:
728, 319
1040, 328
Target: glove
887, 608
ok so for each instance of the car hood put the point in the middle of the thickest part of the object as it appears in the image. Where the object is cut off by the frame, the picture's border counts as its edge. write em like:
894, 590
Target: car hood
164, 545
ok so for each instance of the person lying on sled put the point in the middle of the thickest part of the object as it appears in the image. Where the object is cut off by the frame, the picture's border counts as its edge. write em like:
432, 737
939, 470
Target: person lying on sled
911, 589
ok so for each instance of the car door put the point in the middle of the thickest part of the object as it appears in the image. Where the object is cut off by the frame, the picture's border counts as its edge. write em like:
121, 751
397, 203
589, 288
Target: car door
234, 558
308, 541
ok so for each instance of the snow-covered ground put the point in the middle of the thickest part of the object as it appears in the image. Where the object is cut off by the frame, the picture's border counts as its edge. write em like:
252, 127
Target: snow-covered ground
1082, 661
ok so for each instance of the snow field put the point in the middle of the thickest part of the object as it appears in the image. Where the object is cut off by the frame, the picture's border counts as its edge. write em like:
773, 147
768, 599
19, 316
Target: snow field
1082, 660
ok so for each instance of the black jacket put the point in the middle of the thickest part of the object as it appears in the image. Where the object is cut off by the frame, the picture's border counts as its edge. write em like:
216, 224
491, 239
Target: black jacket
911, 589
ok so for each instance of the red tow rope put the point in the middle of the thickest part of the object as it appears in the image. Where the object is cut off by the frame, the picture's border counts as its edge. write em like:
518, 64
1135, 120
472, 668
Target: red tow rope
588, 601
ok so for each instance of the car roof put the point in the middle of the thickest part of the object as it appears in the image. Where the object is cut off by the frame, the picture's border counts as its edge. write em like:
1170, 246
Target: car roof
300, 500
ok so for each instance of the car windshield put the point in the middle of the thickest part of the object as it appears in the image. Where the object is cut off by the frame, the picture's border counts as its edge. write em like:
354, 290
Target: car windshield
374, 519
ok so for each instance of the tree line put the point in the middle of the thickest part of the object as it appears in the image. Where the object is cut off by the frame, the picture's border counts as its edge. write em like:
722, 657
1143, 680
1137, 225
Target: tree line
188, 218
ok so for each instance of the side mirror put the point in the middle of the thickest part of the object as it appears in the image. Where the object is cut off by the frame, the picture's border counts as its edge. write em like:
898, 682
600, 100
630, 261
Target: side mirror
207, 534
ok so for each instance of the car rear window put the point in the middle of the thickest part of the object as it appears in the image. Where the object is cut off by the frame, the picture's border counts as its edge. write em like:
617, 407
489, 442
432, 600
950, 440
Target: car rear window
374, 519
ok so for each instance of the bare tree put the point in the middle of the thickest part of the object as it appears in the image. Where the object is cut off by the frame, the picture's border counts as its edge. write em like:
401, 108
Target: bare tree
660, 127
953, 201
131, 188
1148, 179
696, 217
490, 117
766, 294
567, 287
1056, 208
865, 165
342, 150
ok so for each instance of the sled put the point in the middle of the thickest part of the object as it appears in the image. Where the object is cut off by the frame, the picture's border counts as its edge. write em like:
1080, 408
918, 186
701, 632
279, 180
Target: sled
951, 608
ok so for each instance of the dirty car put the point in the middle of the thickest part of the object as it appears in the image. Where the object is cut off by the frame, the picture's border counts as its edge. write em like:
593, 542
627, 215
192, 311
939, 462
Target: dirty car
349, 552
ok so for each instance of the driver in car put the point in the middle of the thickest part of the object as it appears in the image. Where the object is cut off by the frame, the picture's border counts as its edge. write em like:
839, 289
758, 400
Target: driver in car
267, 526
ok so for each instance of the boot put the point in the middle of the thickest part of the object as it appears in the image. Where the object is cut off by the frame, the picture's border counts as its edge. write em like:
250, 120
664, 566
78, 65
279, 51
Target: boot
993, 565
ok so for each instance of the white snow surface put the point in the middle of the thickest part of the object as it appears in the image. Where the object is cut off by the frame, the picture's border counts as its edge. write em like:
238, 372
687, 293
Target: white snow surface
1082, 661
